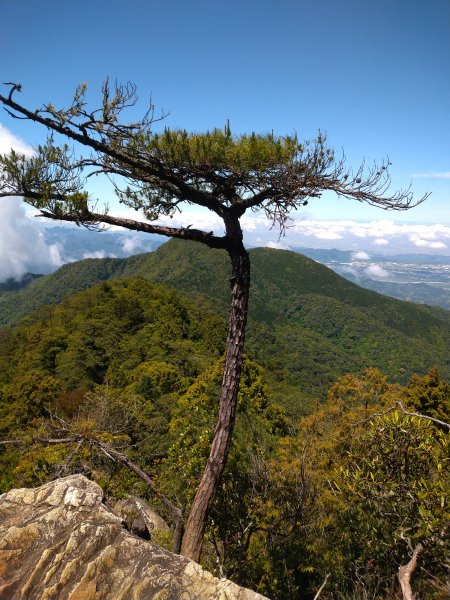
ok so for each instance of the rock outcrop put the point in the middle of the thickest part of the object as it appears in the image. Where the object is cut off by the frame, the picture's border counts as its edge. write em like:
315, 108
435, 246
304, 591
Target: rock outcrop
139, 517
60, 542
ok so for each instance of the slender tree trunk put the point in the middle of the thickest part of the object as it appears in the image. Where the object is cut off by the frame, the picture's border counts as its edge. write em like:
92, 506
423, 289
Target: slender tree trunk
209, 484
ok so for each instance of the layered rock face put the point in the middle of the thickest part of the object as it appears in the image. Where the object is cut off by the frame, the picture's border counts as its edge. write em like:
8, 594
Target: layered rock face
60, 542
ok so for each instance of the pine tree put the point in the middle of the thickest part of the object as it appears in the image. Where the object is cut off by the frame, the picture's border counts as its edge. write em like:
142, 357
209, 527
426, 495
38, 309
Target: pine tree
226, 174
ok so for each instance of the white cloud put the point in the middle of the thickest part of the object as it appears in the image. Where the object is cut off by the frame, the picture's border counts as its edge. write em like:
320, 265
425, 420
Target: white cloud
360, 255
22, 245
252, 222
436, 175
8, 140
359, 231
420, 243
276, 245
197, 218
430, 238
376, 271
384, 234
328, 235
131, 244
97, 254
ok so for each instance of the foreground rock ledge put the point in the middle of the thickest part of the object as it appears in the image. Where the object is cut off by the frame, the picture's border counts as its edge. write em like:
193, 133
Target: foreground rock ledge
59, 542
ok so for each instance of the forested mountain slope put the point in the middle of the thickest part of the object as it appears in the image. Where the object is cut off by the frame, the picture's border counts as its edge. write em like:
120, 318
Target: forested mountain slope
307, 324
70, 278
119, 333
131, 368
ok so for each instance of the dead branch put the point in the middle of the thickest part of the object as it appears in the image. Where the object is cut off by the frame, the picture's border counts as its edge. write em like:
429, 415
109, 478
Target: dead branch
432, 419
69, 458
437, 583
319, 591
47, 441
113, 455
405, 573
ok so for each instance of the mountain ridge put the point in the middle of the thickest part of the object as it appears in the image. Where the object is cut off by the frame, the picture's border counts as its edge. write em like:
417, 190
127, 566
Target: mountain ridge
307, 325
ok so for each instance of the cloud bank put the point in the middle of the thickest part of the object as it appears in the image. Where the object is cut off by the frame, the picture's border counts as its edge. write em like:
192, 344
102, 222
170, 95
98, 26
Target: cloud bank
23, 245
378, 232
360, 256
376, 271
382, 235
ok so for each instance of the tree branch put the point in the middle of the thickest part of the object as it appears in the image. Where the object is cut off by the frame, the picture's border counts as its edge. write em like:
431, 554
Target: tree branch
319, 591
47, 441
432, 419
182, 233
168, 505
147, 165
405, 573
171, 508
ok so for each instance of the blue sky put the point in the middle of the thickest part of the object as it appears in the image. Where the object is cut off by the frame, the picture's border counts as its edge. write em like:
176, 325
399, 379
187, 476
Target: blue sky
374, 76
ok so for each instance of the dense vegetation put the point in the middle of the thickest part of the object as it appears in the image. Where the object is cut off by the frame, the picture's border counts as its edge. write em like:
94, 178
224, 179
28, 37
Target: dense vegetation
51, 289
319, 487
307, 325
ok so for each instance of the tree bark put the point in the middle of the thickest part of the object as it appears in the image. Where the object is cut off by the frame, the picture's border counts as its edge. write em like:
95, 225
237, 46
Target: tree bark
178, 535
209, 484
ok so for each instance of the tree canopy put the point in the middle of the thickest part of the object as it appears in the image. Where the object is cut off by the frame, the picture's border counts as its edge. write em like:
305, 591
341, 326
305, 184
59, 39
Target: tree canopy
158, 171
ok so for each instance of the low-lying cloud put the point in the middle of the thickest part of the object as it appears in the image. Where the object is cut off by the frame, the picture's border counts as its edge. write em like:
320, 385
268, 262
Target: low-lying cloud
23, 247
376, 271
360, 255
386, 234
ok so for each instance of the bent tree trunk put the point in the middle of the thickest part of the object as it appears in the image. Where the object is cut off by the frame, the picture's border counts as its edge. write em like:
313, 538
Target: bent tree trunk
209, 484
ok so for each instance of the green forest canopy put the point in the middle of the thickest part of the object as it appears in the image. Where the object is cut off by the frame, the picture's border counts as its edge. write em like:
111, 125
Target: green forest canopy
137, 365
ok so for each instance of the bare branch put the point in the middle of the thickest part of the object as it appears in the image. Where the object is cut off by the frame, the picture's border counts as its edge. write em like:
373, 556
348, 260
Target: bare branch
69, 458
15, 87
181, 233
168, 505
113, 455
405, 573
319, 591
432, 419
47, 441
